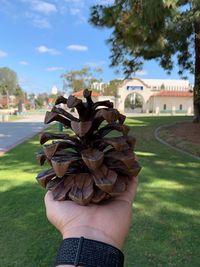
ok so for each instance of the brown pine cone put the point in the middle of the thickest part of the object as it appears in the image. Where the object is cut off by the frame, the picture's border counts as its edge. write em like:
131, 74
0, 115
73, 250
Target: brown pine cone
87, 167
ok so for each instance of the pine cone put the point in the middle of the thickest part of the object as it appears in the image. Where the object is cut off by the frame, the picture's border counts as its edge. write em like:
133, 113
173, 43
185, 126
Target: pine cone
87, 167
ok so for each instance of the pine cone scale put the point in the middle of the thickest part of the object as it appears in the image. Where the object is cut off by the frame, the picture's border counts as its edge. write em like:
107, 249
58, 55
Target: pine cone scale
105, 178
44, 177
81, 128
93, 158
82, 190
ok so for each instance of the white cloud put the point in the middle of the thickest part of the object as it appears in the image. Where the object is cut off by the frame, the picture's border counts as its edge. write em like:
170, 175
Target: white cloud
38, 21
75, 11
141, 73
75, 47
41, 23
45, 49
54, 68
3, 53
95, 64
43, 7
23, 62
77, 8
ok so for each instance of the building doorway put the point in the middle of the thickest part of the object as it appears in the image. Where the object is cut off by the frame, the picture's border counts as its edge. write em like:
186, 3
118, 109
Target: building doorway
133, 103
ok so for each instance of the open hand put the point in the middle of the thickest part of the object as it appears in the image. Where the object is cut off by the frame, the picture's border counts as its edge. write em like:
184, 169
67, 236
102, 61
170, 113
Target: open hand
108, 222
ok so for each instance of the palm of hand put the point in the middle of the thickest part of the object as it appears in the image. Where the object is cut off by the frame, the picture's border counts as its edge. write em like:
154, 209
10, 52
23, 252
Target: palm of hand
108, 222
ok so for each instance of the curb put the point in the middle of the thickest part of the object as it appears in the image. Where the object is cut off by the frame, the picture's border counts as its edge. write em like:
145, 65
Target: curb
8, 148
167, 144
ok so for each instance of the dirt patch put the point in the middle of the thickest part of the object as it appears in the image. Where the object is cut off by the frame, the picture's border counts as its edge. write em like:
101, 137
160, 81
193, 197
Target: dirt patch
185, 136
187, 130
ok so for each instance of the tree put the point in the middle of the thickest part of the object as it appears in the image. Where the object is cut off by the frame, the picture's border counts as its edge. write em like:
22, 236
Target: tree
8, 81
19, 91
111, 87
41, 100
80, 79
154, 29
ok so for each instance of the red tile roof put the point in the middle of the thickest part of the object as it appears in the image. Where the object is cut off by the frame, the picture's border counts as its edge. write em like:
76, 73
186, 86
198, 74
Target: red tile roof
174, 93
51, 100
80, 93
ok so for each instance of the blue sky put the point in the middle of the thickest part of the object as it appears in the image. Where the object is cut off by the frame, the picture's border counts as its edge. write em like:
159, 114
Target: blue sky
40, 40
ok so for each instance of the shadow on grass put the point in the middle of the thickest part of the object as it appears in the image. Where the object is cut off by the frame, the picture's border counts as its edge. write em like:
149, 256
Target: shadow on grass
165, 229
27, 238
21, 155
156, 120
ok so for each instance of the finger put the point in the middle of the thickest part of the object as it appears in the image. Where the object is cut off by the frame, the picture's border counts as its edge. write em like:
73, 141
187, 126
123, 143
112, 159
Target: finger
132, 187
130, 192
48, 198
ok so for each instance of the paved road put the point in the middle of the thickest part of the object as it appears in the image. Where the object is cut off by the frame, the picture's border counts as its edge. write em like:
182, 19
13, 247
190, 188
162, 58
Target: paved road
13, 133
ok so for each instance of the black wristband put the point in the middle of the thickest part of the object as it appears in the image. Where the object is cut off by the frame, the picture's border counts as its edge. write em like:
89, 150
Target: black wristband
88, 253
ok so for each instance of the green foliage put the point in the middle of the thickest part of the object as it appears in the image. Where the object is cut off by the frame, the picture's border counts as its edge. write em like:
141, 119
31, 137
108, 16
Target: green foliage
149, 29
162, 87
8, 81
111, 87
136, 103
18, 91
38, 101
41, 100
80, 79
54, 96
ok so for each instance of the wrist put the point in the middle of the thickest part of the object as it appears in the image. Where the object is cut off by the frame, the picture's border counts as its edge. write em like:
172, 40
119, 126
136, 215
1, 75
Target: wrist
91, 233
87, 252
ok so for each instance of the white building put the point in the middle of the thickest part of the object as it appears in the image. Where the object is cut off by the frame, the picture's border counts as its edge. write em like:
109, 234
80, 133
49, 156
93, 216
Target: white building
169, 85
54, 90
155, 96
98, 86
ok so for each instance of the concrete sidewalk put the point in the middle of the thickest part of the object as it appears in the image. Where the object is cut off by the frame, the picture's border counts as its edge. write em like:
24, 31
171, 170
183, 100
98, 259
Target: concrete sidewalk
14, 133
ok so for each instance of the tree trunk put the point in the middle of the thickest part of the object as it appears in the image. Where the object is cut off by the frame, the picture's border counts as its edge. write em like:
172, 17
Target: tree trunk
8, 100
197, 74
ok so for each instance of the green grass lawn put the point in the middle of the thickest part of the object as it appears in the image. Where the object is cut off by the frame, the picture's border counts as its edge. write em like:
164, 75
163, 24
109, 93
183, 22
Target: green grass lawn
165, 230
15, 117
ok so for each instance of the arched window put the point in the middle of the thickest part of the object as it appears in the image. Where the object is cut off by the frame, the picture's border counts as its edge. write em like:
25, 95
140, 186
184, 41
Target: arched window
181, 107
165, 107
